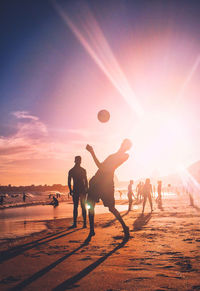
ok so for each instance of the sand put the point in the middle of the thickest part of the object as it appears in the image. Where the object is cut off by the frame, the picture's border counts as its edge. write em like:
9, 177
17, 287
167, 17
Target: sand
162, 253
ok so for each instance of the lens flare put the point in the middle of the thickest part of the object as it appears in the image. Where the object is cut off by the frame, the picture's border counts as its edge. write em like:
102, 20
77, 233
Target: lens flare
90, 35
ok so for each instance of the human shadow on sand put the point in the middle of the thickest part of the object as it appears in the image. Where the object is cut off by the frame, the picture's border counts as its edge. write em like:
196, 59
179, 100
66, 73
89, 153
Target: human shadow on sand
141, 221
45, 270
70, 283
109, 223
73, 279
6, 255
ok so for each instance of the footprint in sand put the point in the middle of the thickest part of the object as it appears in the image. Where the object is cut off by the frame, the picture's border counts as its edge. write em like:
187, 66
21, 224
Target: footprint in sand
185, 265
137, 279
9, 279
162, 275
168, 267
88, 258
118, 237
136, 269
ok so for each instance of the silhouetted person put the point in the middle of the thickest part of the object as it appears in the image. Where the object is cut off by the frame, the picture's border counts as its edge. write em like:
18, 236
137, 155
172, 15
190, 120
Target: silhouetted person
1, 200
139, 191
189, 191
147, 192
54, 201
24, 197
80, 187
159, 190
130, 195
154, 190
101, 186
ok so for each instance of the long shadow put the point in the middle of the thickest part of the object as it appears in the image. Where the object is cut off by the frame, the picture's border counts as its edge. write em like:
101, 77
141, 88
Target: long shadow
113, 220
68, 284
6, 255
43, 271
32, 242
141, 221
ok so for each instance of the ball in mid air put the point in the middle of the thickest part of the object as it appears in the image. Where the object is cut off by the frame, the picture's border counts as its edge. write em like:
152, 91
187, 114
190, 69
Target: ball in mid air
103, 115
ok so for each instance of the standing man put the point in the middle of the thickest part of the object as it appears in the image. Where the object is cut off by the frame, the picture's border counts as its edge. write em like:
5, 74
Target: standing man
24, 197
147, 192
159, 189
80, 187
130, 195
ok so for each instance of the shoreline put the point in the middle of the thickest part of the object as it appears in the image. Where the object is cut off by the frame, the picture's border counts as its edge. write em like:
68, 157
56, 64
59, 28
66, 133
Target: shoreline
23, 205
49, 223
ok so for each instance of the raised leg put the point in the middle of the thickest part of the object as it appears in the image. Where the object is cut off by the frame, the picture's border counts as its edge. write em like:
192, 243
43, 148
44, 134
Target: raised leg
91, 218
116, 213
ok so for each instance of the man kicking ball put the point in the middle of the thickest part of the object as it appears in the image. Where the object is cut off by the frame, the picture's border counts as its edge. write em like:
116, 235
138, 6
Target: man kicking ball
101, 185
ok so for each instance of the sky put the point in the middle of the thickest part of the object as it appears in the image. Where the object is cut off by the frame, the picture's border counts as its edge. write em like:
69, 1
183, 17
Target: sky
63, 61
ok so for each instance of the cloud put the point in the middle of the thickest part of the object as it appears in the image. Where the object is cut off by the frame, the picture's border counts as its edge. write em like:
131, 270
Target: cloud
24, 115
35, 150
32, 128
29, 125
31, 142
12, 150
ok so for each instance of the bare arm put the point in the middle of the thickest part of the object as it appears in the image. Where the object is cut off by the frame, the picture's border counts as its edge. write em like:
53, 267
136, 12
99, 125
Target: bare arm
69, 182
90, 149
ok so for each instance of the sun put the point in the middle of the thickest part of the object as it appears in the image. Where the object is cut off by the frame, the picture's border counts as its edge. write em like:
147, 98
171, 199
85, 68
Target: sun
160, 142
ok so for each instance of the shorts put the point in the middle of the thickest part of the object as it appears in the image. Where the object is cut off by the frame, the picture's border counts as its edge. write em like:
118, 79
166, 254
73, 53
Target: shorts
100, 190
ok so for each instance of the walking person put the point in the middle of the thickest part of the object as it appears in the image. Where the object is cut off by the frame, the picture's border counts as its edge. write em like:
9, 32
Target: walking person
101, 185
130, 195
24, 197
147, 192
159, 190
79, 191
139, 192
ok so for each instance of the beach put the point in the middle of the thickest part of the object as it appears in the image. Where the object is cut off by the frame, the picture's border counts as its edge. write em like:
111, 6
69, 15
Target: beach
162, 253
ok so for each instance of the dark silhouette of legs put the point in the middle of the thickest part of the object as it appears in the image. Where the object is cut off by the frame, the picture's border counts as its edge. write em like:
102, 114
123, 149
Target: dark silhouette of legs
150, 201
116, 213
130, 205
82, 199
91, 218
75, 210
144, 203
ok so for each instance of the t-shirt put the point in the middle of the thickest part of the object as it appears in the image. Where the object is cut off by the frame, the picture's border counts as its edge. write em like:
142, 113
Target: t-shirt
111, 163
79, 177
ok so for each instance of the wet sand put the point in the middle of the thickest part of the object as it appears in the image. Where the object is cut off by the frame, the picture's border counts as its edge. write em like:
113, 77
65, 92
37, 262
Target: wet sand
163, 253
